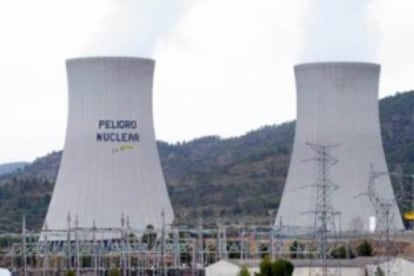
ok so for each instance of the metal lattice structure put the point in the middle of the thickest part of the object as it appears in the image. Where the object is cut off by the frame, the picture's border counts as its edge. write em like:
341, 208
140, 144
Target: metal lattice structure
324, 212
385, 213
172, 250
181, 250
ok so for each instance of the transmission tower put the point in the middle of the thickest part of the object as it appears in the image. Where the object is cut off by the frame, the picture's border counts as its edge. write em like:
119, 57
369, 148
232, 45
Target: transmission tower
383, 210
324, 213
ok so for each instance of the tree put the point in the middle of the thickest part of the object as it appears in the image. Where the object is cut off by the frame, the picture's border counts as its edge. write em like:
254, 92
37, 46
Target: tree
379, 271
277, 268
149, 236
264, 250
282, 268
342, 252
244, 271
70, 273
114, 272
296, 249
364, 249
86, 261
265, 267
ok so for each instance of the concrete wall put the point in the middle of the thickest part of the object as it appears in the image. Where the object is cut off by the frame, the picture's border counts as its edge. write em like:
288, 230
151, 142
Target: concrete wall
99, 180
337, 103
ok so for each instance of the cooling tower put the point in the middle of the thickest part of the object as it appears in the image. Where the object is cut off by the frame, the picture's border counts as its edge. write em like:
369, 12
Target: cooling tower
337, 104
110, 166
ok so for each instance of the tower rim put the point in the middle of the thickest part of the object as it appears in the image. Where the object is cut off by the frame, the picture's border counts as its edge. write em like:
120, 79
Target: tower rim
109, 58
336, 63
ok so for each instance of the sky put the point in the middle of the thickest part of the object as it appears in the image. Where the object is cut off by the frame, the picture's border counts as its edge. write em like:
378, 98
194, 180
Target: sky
223, 67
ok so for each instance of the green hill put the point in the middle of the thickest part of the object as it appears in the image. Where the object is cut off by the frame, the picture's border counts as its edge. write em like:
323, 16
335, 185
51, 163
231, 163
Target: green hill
235, 179
11, 167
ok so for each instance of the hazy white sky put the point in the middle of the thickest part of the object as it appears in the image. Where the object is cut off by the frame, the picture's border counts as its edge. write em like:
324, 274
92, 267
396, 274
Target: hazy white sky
223, 67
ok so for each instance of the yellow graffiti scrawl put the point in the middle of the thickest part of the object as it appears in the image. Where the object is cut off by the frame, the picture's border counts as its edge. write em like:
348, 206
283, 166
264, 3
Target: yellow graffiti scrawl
123, 148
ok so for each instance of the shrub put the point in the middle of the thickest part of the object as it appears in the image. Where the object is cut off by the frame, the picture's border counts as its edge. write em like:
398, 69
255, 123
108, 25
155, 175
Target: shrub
266, 267
149, 236
114, 272
379, 271
364, 249
282, 268
341, 253
244, 271
277, 268
70, 273
296, 249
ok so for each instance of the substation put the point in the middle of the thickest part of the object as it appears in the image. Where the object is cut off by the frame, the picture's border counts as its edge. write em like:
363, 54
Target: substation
179, 250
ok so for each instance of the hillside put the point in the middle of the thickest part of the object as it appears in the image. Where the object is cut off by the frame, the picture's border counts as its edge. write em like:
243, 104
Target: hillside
397, 125
228, 178
235, 179
11, 167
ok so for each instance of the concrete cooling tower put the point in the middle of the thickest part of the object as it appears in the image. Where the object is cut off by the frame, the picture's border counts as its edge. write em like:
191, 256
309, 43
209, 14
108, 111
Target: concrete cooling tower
110, 166
337, 104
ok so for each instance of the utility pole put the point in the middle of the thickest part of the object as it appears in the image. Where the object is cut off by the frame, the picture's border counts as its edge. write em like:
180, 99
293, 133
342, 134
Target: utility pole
279, 236
24, 245
200, 248
68, 244
164, 263
78, 264
46, 249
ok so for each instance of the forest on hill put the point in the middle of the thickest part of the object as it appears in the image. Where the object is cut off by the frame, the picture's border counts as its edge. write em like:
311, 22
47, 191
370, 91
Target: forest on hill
238, 179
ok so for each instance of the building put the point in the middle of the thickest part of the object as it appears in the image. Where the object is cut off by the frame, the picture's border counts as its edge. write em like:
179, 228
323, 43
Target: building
110, 174
400, 266
5, 272
337, 108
